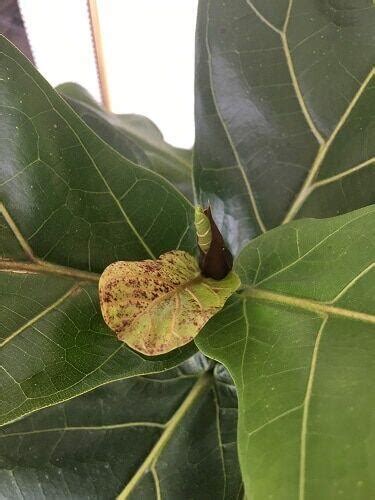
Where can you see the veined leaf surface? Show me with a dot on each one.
(300, 342)
(75, 200)
(136, 438)
(284, 111)
(135, 137)
(54, 344)
(69, 206)
(155, 306)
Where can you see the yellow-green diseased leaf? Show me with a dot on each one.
(155, 306)
(203, 228)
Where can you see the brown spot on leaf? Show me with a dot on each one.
(157, 306)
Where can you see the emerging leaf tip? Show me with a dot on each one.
(215, 261)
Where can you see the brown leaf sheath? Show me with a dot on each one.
(218, 261)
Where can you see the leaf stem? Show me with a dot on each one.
(199, 387)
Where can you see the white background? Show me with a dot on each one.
(149, 53)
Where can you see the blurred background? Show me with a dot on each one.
(135, 56)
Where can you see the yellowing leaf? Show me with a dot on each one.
(155, 306)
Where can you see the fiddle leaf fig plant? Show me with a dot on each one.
(195, 325)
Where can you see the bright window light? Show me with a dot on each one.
(149, 53)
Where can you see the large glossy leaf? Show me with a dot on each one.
(169, 436)
(54, 344)
(134, 136)
(300, 343)
(77, 201)
(69, 206)
(284, 111)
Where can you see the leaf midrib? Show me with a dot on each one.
(42, 267)
(80, 428)
(309, 183)
(284, 42)
(34, 264)
(202, 384)
(322, 308)
(182, 287)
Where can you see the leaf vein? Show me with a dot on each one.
(39, 316)
(305, 414)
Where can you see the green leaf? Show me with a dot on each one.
(54, 344)
(73, 197)
(284, 111)
(299, 343)
(166, 436)
(69, 206)
(155, 306)
(135, 137)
